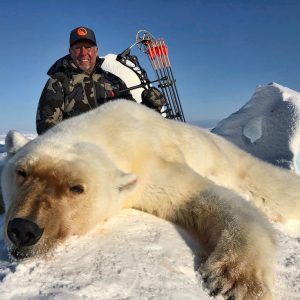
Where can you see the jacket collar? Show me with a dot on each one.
(66, 64)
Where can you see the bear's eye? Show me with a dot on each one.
(21, 173)
(77, 189)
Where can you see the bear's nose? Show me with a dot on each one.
(23, 232)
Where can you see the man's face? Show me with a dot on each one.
(84, 55)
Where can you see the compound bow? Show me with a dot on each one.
(157, 53)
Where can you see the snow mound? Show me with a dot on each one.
(267, 126)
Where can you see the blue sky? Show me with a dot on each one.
(220, 50)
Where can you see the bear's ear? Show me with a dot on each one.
(14, 141)
(126, 182)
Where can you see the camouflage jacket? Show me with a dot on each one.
(70, 92)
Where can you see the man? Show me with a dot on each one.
(78, 83)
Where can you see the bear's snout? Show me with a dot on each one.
(23, 232)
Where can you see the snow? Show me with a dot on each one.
(132, 256)
(253, 129)
(268, 126)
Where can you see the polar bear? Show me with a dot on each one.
(124, 155)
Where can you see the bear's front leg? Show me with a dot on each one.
(239, 241)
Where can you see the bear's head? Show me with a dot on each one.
(53, 189)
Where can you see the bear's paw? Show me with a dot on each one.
(236, 280)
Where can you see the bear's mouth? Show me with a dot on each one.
(21, 253)
(17, 253)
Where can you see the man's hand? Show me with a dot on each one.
(153, 98)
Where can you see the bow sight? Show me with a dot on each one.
(157, 53)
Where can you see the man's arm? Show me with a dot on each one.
(51, 106)
(115, 86)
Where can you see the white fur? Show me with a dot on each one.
(127, 155)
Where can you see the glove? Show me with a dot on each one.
(153, 98)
